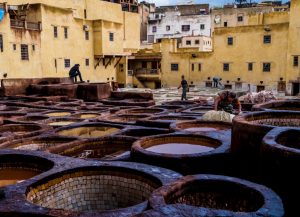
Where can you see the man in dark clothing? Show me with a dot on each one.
(217, 81)
(74, 72)
(184, 86)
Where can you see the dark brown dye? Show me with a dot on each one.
(11, 176)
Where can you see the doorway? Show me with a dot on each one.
(295, 89)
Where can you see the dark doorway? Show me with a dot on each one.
(260, 88)
(295, 89)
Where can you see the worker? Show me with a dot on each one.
(217, 82)
(74, 72)
(227, 101)
(184, 85)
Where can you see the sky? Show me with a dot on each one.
(211, 2)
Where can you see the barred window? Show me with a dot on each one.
(14, 47)
(111, 36)
(202, 26)
(266, 67)
(296, 61)
(250, 66)
(199, 67)
(33, 47)
(1, 43)
(240, 18)
(185, 28)
(55, 31)
(230, 41)
(225, 67)
(87, 62)
(66, 32)
(87, 35)
(193, 67)
(174, 67)
(188, 42)
(267, 39)
(67, 63)
(24, 52)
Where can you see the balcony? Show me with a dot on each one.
(21, 24)
(148, 74)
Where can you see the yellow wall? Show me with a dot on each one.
(102, 18)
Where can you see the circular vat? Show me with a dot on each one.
(89, 130)
(33, 118)
(61, 122)
(249, 129)
(181, 152)
(170, 108)
(126, 118)
(9, 108)
(164, 121)
(87, 115)
(16, 168)
(199, 126)
(178, 102)
(198, 110)
(156, 111)
(220, 193)
(109, 148)
(39, 143)
(144, 132)
(290, 105)
(16, 131)
(105, 188)
(10, 115)
(58, 113)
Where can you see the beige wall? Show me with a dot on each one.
(102, 18)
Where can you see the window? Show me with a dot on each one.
(240, 18)
(24, 52)
(296, 61)
(225, 67)
(66, 32)
(230, 41)
(202, 26)
(67, 63)
(156, 16)
(266, 67)
(85, 14)
(188, 42)
(55, 31)
(87, 62)
(33, 47)
(174, 67)
(144, 65)
(111, 36)
(14, 47)
(87, 35)
(197, 42)
(185, 28)
(267, 39)
(225, 24)
(250, 66)
(154, 29)
(193, 67)
(199, 67)
(1, 43)
(168, 28)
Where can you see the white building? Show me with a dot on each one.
(201, 43)
(179, 21)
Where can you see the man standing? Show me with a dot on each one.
(74, 72)
(184, 86)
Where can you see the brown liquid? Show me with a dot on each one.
(179, 148)
(11, 176)
(89, 132)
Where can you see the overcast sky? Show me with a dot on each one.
(211, 2)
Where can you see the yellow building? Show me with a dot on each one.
(44, 38)
(263, 55)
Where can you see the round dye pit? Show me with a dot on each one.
(87, 115)
(126, 118)
(179, 148)
(16, 168)
(143, 132)
(200, 126)
(39, 144)
(164, 121)
(143, 111)
(177, 102)
(90, 130)
(57, 114)
(112, 148)
(16, 131)
(94, 189)
(290, 105)
(220, 193)
(33, 118)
